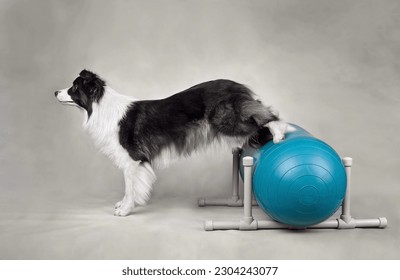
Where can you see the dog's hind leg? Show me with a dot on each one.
(278, 130)
(139, 178)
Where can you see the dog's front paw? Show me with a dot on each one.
(123, 209)
(118, 204)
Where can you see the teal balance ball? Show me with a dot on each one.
(300, 181)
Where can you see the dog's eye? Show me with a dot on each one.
(74, 87)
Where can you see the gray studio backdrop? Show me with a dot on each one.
(329, 66)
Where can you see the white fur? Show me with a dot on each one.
(198, 139)
(104, 129)
(278, 130)
(103, 125)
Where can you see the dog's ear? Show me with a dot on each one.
(93, 83)
(97, 87)
(87, 76)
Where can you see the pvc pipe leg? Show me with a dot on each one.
(248, 189)
(235, 173)
(346, 214)
(234, 200)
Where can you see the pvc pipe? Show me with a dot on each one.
(326, 224)
(249, 223)
(229, 201)
(234, 200)
(381, 222)
(363, 223)
(346, 214)
(235, 173)
(242, 225)
(267, 224)
(248, 185)
(221, 225)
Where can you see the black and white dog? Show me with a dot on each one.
(139, 135)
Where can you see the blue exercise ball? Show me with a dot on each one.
(300, 181)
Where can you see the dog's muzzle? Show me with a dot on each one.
(63, 96)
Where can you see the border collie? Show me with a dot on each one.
(138, 135)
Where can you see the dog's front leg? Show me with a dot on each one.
(125, 206)
(139, 178)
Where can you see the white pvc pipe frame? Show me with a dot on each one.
(346, 221)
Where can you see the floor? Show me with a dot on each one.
(172, 228)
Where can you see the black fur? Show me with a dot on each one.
(229, 108)
(86, 89)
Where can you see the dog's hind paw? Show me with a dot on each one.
(278, 130)
(278, 138)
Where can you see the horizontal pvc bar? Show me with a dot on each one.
(380, 222)
(326, 224)
(231, 201)
(363, 223)
(266, 224)
(220, 202)
(221, 225)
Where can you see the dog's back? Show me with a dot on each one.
(214, 110)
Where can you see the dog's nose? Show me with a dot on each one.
(56, 92)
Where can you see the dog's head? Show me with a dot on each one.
(86, 89)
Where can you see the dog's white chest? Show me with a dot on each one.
(103, 126)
